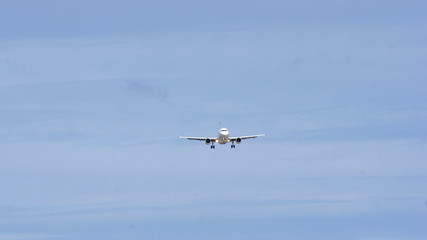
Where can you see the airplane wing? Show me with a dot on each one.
(199, 138)
(246, 137)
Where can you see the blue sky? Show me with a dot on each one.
(93, 95)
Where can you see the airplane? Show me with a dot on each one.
(222, 138)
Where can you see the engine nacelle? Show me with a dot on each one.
(207, 141)
(238, 140)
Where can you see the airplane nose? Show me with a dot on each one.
(223, 132)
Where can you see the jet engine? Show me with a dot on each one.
(238, 140)
(207, 141)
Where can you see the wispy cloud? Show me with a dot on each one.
(26, 236)
(146, 90)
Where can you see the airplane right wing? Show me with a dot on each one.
(200, 138)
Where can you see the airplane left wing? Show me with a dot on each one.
(246, 137)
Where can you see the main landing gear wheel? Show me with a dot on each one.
(232, 145)
(213, 146)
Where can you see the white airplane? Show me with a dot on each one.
(222, 138)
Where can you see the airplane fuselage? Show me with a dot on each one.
(223, 136)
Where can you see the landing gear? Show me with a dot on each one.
(232, 145)
(212, 146)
